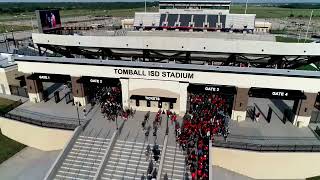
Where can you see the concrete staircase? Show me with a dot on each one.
(174, 164)
(127, 161)
(83, 160)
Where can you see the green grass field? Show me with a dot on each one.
(8, 28)
(291, 40)
(261, 11)
(8, 147)
(314, 178)
(275, 12)
(79, 12)
(5, 103)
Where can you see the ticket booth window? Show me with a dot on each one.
(137, 102)
(171, 105)
(159, 104)
(148, 103)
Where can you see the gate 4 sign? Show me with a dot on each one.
(281, 94)
(276, 93)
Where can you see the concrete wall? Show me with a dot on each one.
(267, 165)
(46, 139)
(4, 86)
(8, 77)
(12, 74)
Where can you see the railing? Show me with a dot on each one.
(41, 123)
(65, 123)
(267, 147)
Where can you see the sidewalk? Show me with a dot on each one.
(28, 164)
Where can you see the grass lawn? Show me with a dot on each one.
(274, 12)
(8, 147)
(8, 28)
(314, 178)
(7, 105)
(290, 39)
(308, 67)
(5, 102)
(261, 11)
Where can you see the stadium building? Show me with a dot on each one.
(210, 15)
(146, 72)
(147, 84)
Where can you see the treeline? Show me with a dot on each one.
(300, 6)
(14, 8)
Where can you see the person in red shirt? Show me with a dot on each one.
(193, 176)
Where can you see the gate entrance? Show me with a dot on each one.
(55, 86)
(100, 90)
(271, 104)
(200, 91)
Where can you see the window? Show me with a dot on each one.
(217, 7)
(148, 104)
(166, 7)
(137, 102)
(159, 104)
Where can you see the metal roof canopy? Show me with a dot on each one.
(185, 44)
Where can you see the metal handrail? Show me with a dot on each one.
(267, 147)
(41, 123)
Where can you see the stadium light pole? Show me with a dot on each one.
(305, 39)
(245, 11)
(145, 6)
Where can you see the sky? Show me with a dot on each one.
(252, 1)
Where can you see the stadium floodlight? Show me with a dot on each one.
(145, 6)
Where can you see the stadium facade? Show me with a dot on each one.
(148, 86)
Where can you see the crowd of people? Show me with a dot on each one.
(208, 116)
(109, 99)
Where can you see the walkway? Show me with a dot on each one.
(28, 164)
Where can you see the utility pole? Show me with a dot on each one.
(246, 7)
(145, 6)
(32, 24)
(300, 30)
(305, 39)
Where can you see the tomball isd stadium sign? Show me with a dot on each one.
(154, 73)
